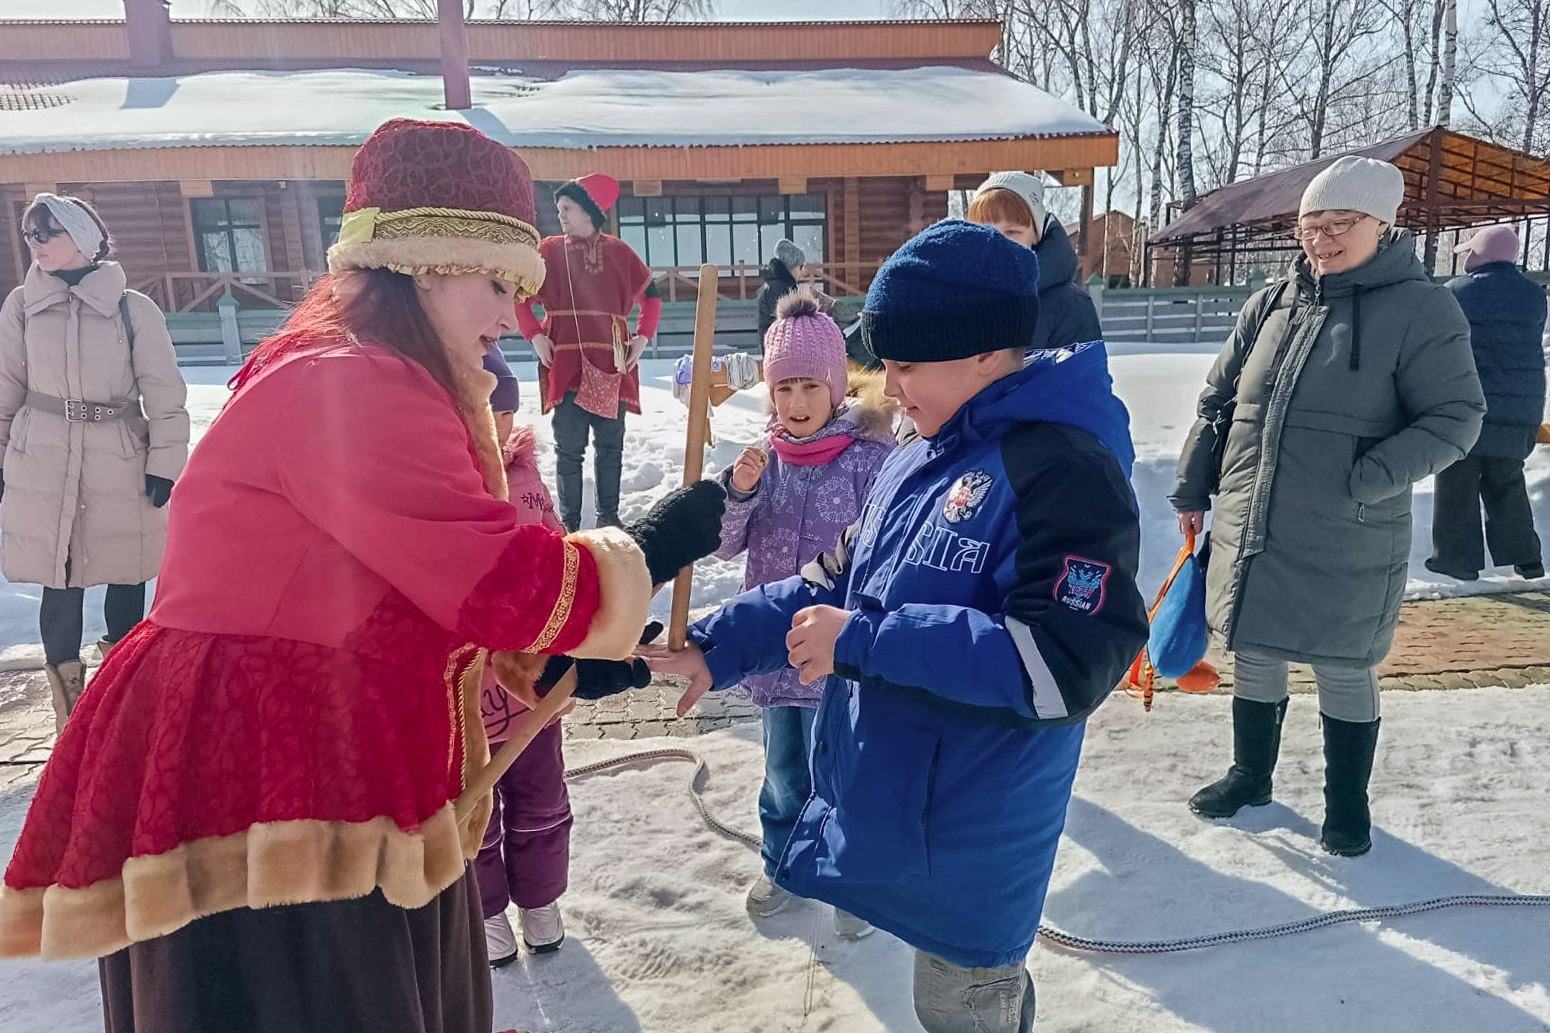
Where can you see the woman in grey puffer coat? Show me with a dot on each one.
(1336, 392)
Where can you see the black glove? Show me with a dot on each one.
(680, 529)
(596, 679)
(158, 490)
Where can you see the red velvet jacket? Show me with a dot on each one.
(288, 725)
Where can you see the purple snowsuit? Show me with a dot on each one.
(796, 514)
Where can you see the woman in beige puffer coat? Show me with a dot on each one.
(93, 430)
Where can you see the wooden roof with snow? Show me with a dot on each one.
(291, 100)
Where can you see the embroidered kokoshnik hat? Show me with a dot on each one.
(439, 197)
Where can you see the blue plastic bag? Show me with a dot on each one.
(1177, 641)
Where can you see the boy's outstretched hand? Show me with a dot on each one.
(688, 662)
(810, 643)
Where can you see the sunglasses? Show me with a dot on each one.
(41, 236)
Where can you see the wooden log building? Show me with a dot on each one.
(217, 151)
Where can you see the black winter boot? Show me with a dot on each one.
(1348, 750)
(1256, 741)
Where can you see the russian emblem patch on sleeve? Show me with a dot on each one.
(966, 495)
(1083, 585)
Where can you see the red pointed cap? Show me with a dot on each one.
(604, 190)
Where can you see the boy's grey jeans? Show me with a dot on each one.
(952, 999)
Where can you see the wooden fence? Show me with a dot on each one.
(1169, 315)
(218, 317)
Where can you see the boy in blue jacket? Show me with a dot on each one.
(984, 604)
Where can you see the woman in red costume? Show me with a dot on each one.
(249, 815)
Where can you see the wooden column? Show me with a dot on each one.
(853, 226)
(454, 54)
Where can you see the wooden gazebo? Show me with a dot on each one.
(1452, 181)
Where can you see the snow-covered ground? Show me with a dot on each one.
(659, 941)
(1159, 385)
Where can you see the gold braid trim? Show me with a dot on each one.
(454, 222)
(562, 606)
(454, 696)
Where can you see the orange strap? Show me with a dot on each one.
(1142, 675)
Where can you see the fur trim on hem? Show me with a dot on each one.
(624, 593)
(519, 263)
(264, 865)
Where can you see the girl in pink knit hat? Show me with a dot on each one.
(788, 502)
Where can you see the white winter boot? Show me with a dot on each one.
(766, 899)
(543, 930)
(500, 940)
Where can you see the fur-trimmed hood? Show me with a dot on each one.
(522, 444)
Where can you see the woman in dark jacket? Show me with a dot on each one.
(1336, 392)
(780, 279)
(1506, 313)
(1013, 202)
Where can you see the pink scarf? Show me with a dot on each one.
(815, 452)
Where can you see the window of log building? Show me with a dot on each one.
(229, 234)
(330, 215)
(689, 231)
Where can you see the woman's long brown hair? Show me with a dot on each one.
(377, 306)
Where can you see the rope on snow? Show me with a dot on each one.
(1083, 943)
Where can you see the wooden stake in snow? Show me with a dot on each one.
(694, 444)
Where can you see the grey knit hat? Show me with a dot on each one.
(1026, 186)
(1354, 184)
(789, 254)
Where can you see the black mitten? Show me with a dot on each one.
(596, 679)
(683, 527)
(158, 490)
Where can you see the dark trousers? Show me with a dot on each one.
(572, 424)
(1462, 490)
(61, 615)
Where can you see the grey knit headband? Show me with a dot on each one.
(75, 221)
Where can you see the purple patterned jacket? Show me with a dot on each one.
(797, 513)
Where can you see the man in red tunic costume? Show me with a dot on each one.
(587, 357)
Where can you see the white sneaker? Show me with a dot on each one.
(500, 941)
(766, 899)
(849, 927)
(543, 930)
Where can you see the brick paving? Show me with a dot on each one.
(1441, 644)
(1455, 644)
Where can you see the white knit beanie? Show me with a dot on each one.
(1028, 187)
(1354, 184)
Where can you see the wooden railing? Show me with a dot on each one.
(199, 291)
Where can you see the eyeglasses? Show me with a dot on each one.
(1335, 228)
(41, 236)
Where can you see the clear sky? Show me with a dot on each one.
(731, 10)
